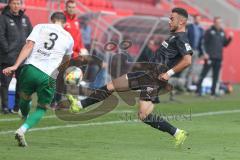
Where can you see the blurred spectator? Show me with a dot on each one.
(195, 34)
(86, 32)
(214, 41)
(149, 50)
(98, 73)
(73, 27)
(15, 27)
(157, 2)
(120, 57)
(3, 1)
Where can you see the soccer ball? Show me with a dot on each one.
(73, 76)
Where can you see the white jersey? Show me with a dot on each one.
(52, 42)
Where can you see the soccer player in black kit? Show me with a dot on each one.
(174, 55)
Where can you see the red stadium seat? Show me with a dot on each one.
(191, 10)
(87, 2)
(109, 5)
(165, 5)
(234, 3)
(62, 6)
(37, 3)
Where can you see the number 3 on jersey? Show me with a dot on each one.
(52, 38)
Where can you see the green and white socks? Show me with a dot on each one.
(33, 119)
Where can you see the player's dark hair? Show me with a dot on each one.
(181, 12)
(216, 18)
(69, 1)
(9, 1)
(196, 15)
(58, 16)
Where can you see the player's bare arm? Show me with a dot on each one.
(25, 52)
(181, 65)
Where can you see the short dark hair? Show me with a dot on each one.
(9, 1)
(70, 1)
(181, 12)
(216, 18)
(58, 16)
(196, 15)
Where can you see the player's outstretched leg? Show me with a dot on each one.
(32, 120)
(120, 84)
(130, 81)
(155, 121)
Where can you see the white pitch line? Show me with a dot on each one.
(118, 122)
(127, 111)
(54, 116)
(71, 126)
(215, 113)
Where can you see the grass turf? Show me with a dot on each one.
(213, 137)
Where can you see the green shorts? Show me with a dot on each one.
(34, 80)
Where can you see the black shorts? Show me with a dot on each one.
(148, 84)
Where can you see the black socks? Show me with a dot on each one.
(160, 124)
(97, 96)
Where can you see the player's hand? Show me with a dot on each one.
(231, 34)
(9, 70)
(163, 77)
(205, 56)
(83, 52)
(104, 65)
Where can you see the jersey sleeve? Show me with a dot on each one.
(34, 35)
(70, 48)
(184, 47)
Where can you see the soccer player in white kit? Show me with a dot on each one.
(46, 48)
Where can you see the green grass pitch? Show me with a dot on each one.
(214, 127)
